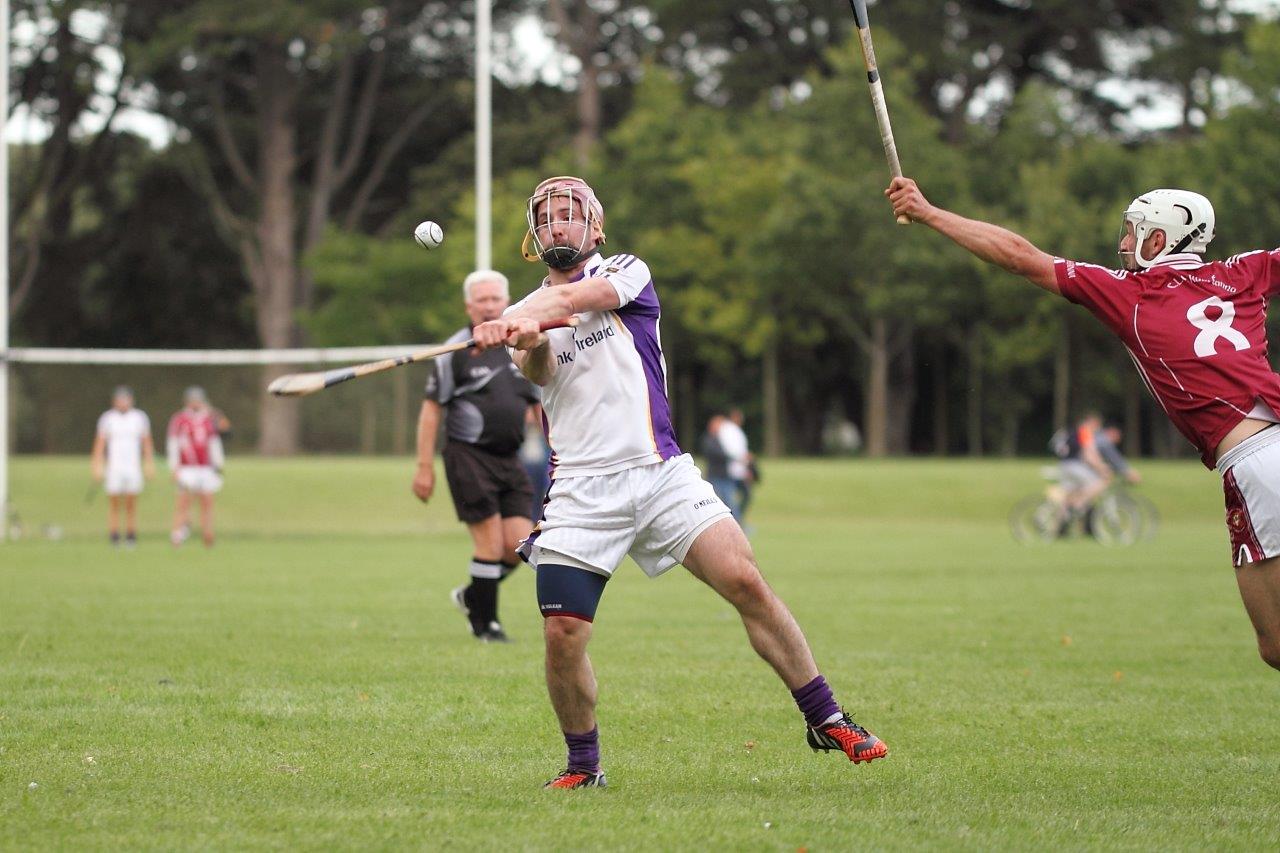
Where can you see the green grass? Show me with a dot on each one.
(306, 684)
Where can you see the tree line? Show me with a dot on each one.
(735, 150)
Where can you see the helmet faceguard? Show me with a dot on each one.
(584, 209)
(1186, 218)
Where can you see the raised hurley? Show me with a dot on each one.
(302, 384)
(877, 93)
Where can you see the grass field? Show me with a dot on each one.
(306, 684)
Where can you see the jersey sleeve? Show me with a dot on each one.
(434, 389)
(1273, 269)
(145, 421)
(629, 276)
(1107, 294)
(101, 428)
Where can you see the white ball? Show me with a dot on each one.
(428, 234)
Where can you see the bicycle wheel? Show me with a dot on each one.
(1150, 515)
(1115, 520)
(1035, 518)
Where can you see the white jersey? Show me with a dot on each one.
(605, 408)
(734, 442)
(124, 432)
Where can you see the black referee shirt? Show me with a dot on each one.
(485, 396)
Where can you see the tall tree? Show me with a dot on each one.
(608, 39)
(63, 76)
(292, 117)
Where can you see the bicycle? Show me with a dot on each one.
(1117, 517)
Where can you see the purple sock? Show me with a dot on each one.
(584, 750)
(816, 701)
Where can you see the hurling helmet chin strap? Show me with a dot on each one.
(1191, 237)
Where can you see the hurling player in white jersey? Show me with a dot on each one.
(122, 456)
(620, 484)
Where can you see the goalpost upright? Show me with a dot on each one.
(4, 271)
(484, 133)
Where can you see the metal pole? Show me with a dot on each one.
(4, 270)
(484, 135)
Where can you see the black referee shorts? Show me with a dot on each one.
(485, 484)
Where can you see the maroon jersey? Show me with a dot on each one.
(193, 433)
(1195, 330)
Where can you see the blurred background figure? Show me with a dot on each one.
(1108, 441)
(1082, 471)
(122, 457)
(733, 439)
(1089, 457)
(717, 461)
(535, 455)
(194, 450)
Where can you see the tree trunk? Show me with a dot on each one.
(876, 408)
(1062, 378)
(902, 402)
(973, 419)
(369, 425)
(1009, 432)
(400, 413)
(941, 406)
(590, 111)
(686, 411)
(773, 443)
(274, 270)
(1132, 414)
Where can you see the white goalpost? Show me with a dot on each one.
(4, 271)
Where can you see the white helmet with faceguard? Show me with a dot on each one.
(1186, 218)
(583, 208)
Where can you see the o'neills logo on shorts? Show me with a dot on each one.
(707, 502)
(594, 338)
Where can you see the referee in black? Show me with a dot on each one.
(486, 401)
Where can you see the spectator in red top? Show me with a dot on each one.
(1196, 331)
(194, 450)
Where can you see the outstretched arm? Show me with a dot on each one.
(551, 303)
(991, 243)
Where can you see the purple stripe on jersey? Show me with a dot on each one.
(552, 459)
(640, 316)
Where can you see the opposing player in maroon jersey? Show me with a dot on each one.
(194, 449)
(1196, 331)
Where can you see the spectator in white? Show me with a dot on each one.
(122, 457)
(717, 459)
(194, 449)
(734, 442)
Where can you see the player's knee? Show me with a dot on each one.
(1269, 649)
(744, 584)
(565, 632)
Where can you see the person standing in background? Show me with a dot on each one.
(194, 451)
(717, 460)
(734, 441)
(485, 402)
(123, 456)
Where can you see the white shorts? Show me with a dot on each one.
(653, 512)
(1075, 475)
(201, 479)
(123, 481)
(1251, 480)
